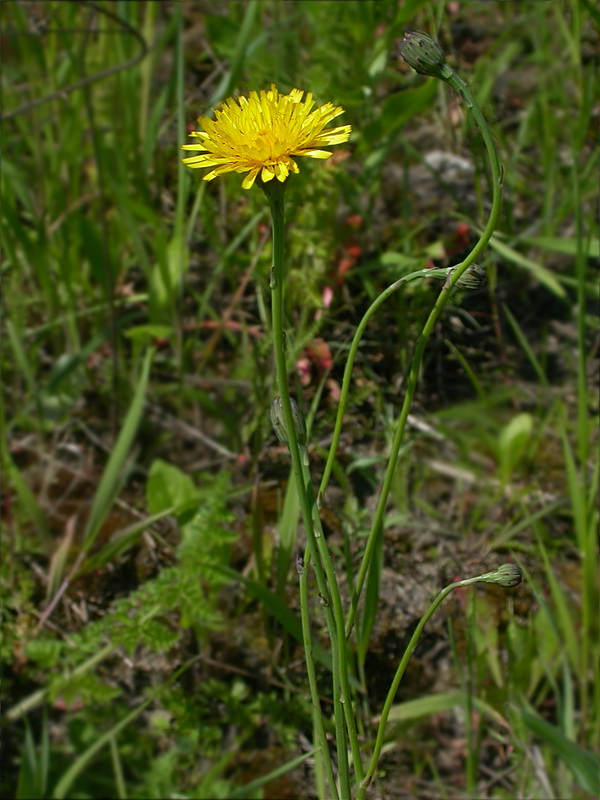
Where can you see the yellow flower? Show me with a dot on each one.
(262, 133)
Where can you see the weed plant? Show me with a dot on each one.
(154, 617)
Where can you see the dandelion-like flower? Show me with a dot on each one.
(259, 134)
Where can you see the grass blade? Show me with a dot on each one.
(539, 272)
(109, 483)
(282, 614)
(583, 765)
(63, 786)
(251, 787)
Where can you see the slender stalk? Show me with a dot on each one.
(344, 689)
(471, 760)
(339, 720)
(403, 664)
(274, 192)
(324, 757)
(453, 277)
(422, 273)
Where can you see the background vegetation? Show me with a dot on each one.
(150, 617)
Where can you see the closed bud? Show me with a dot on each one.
(507, 575)
(279, 424)
(473, 278)
(424, 55)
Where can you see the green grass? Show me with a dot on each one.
(137, 378)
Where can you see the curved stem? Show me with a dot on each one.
(453, 277)
(402, 667)
(422, 273)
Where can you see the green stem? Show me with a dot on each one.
(319, 726)
(403, 664)
(339, 719)
(453, 277)
(343, 690)
(274, 192)
(422, 273)
(470, 733)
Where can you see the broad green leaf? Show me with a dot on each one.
(169, 487)
(512, 442)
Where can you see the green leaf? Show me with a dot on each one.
(62, 787)
(288, 528)
(250, 788)
(583, 765)
(371, 604)
(120, 542)
(565, 246)
(539, 272)
(166, 277)
(424, 706)
(109, 483)
(143, 333)
(512, 442)
(169, 487)
(398, 108)
(33, 771)
(289, 621)
(438, 704)
(242, 37)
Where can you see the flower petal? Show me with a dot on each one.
(313, 153)
(249, 179)
(267, 174)
(258, 134)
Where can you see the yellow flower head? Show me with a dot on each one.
(262, 133)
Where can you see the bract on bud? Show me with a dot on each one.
(279, 425)
(506, 575)
(424, 55)
(474, 278)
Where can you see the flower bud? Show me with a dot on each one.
(474, 278)
(424, 55)
(279, 424)
(507, 575)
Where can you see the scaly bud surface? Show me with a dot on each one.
(507, 575)
(424, 55)
(279, 425)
